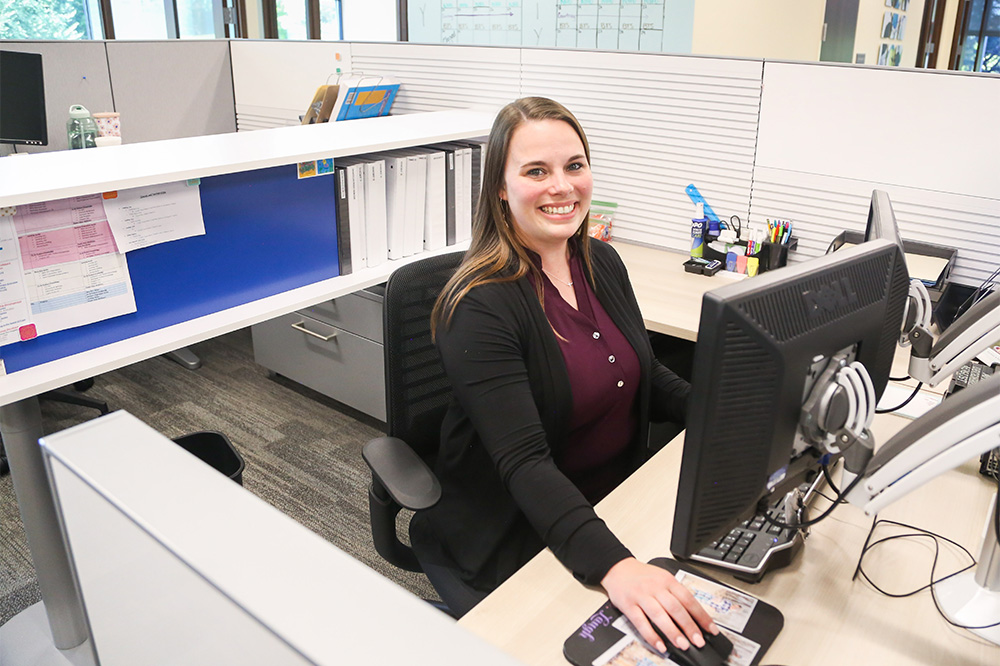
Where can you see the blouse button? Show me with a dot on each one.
(611, 359)
(621, 384)
(596, 335)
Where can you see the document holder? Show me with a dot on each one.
(598, 637)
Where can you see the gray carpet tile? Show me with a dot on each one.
(302, 450)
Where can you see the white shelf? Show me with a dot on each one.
(57, 175)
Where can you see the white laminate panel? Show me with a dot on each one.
(881, 124)
(204, 572)
(58, 175)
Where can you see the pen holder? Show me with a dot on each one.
(774, 255)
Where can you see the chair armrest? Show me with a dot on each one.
(407, 478)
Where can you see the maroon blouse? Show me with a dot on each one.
(604, 378)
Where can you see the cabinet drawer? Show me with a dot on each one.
(360, 312)
(335, 362)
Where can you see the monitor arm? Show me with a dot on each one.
(965, 425)
(961, 428)
(974, 331)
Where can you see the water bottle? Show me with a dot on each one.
(81, 130)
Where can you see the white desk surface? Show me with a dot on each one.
(829, 619)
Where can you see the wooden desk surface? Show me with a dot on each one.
(669, 297)
(829, 619)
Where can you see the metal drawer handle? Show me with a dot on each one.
(300, 326)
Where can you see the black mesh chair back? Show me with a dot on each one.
(417, 391)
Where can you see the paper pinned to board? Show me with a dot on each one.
(67, 271)
(145, 216)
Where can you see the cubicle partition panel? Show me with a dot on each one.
(75, 73)
(444, 77)
(266, 232)
(828, 135)
(172, 89)
(274, 80)
(657, 123)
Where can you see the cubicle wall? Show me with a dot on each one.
(163, 90)
(800, 141)
(657, 123)
(75, 73)
(274, 81)
(172, 89)
(828, 134)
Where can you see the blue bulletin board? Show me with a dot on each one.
(266, 232)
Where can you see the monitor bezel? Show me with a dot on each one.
(40, 138)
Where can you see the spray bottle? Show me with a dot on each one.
(698, 225)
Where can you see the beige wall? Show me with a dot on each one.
(868, 37)
(947, 33)
(782, 29)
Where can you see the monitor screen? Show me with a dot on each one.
(22, 99)
(761, 345)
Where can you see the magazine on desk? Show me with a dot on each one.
(607, 638)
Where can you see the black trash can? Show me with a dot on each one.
(216, 450)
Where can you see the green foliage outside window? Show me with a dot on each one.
(43, 19)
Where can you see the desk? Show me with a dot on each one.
(828, 618)
(670, 297)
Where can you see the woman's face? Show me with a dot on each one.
(547, 182)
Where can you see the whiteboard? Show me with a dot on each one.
(658, 26)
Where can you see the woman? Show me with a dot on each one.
(554, 382)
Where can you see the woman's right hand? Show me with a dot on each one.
(648, 594)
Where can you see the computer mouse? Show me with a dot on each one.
(716, 651)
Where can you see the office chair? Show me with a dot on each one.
(417, 396)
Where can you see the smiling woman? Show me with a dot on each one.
(554, 387)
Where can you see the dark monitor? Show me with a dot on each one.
(882, 220)
(762, 343)
(22, 99)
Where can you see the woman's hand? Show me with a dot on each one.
(644, 593)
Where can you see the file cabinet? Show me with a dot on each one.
(334, 348)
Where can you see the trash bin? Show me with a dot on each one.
(216, 450)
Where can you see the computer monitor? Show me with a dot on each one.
(882, 220)
(22, 99)
(762, 344)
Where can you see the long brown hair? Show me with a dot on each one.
(497, 253)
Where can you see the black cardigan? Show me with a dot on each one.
(504, 498)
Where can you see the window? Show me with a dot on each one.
(977, 43)
(121, 19)
(50, 19)
(302, 19)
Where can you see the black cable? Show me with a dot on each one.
(833, 487)
(827, 512)
(919, 533)
(902, 404)
(899, 379)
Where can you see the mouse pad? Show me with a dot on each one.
(608, 639)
